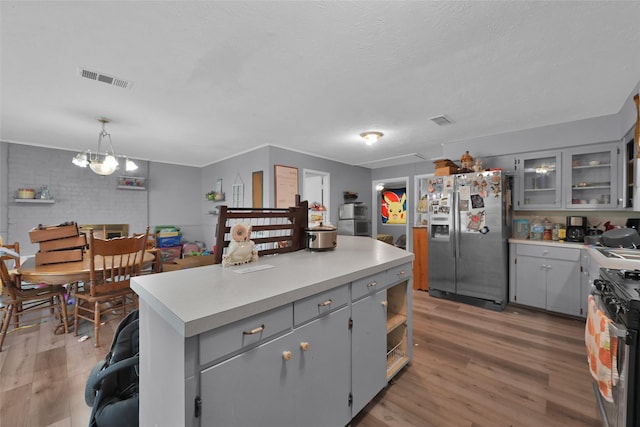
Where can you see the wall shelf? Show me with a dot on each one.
(131, 187)
(41, 201)
(131, 183)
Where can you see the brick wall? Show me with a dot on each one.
(80, 195)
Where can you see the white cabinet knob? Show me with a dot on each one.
(304, 346)
(385, 304)
(286, 355)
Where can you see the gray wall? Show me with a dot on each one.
(235, 170)
(4, 176)
(343, 178)
(174, 196)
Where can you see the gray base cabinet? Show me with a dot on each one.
(547, 277)
(316, 361)
(369, 348)
(292, 380)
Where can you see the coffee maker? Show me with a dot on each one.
(576, 228)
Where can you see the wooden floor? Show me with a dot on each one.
(471, 367)
(42, 375)
(475, 367)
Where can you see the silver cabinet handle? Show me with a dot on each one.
(254, 330)
(325, 303)
(372, 284)
(401, 273)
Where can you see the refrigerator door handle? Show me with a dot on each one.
(456, 221)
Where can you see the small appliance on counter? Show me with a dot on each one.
(576, 228)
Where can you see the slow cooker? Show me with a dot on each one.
(321, 237)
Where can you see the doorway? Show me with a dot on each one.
(399, 231)
(316, 189)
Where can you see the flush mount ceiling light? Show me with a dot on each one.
(102, 163)
(371, 137)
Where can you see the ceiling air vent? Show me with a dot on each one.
(105, 78)
(440, 120)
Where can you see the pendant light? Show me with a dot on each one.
(102, 162)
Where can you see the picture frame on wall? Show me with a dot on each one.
(393, 206)
(286, 185)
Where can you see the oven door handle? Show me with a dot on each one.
(617, 331)
(620, 333)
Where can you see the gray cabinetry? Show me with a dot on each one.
(369, 348)
(251, 389)
(585, 178)
(547, 277)
(590, 177)
(539, 180)
(283, 381)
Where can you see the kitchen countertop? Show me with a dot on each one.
(200, 299)
(596, 256)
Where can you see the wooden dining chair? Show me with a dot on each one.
(108, 295)
(156, 265)
(19, 301)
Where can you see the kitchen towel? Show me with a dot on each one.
(601, 349)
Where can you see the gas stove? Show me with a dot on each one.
(617, 293)
(620, 293)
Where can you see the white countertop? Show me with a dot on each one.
(199, 299)
(565, 244)
(603, 261)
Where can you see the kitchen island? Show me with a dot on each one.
(263, 343)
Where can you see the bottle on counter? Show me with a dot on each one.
(547, 233)
(537, 229)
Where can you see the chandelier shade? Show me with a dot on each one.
(102, 162)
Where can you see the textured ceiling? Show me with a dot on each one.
(214, 79)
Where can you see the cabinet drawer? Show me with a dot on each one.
(396, 274)
(567, 254)
(368, 285)
(322, 303)
(243, 333)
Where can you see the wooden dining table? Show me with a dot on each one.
(64, 273)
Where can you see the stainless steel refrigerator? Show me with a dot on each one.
(469, 224)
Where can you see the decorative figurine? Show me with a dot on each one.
(466, 163)
(241, 248)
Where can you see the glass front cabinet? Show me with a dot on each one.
(590, 177)
(539, 180)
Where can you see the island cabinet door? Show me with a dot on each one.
(322, 359)
(368, 349)
(254, 388)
